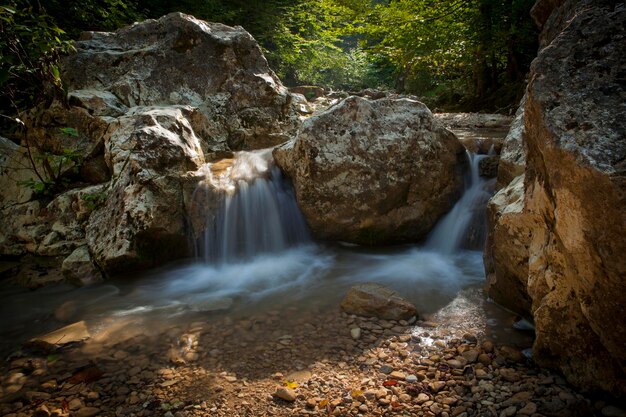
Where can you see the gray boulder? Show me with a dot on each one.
(374, 172)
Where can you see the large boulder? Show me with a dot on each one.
(373, 172)
(571, 218)
(147, 106)
(142, 222)
(179, 60)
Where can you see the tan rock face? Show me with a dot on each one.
(142, 221)
(572, 220)
(375, 300)
(374, 172)
(180, 60)
(147, 103)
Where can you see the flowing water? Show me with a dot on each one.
(255, 255)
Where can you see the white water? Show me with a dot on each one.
(464, 226)
(258, 213)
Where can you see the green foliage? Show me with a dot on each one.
(54, 171)
(94, 200)
(30, 46)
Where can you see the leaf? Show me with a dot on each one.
(322, 403)
(70, 131)
(52, 358)
(88, 374)
(290, 384)
(8, 9)
(390, 383)
(355, 393)
(65, 406)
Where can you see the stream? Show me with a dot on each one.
(273, 264)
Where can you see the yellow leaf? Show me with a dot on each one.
(323, 403)
(355, 393)
(290, 384)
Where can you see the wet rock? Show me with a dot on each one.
(72, 333)
(79, 269)
(375, 300)
(488, 166)
(354, 179)
(66, 311)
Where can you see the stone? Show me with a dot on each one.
(87, 412)
(612, 411)
(79, 269)
(375, 300)
(506, 249)
(512, 161)
(286, 394)
(563, 269)
(373, 172)
(528, 410)
(471, 356)
(400, 376)
(75, 404)
(66, 311)
(488, 166)
(411, 378)
(385, 369)
(76, 332)
(355, 332)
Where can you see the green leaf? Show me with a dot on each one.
(70, 131)
(8, 9)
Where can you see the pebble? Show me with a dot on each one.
(87, 412)
(411, 378)
(612, 411)
(355, 332)
(400, 376)
(385, 369)
(286, 394)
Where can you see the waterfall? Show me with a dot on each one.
(464, 226)
(257, 213)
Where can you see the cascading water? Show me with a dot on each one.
(464, 226)
(258, 211)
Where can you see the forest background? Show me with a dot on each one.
(456, 55)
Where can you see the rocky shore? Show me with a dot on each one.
(289, 362)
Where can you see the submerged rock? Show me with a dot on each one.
(78, 268)
(374, 172)
(569, 220)
(375, 300)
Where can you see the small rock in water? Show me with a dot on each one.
(612, 411)
(286, 394)
(355, 332)
(386, 369)
(66, 311)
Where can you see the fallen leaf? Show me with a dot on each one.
(322, 403)
(290, 384)
(65, 406)
(87, 374)
(390, 383)
(355, 393)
